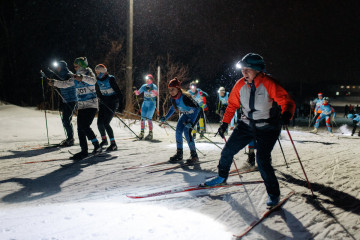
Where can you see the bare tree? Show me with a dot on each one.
(169, 70)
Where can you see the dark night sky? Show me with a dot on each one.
(308, 42)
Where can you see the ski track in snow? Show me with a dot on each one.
(88, 200)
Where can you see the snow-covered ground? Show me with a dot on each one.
(88, 200)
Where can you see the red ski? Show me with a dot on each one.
(190, 189)
(265, 214)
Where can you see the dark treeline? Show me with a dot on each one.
(302, 42)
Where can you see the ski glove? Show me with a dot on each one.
(162, 119)
(222, 129)
(285, 117)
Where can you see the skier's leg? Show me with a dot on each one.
(101, 121)
(67, 113)
(81, 122)
(240, 137)
(328, 125)
(266, 138)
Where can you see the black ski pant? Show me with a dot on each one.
(84, 120)
(68, 110)
(266, 137)
(105, 115)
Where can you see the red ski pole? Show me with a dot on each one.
(309, 185)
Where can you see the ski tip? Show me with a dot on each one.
(133, 197)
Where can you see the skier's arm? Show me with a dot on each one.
(88, 79)
(98, 92)
(116, 88)
(233, 102)
(190, 102)
(142, 89)
(170, 113)
(154, 92)
(280, 96)
(64, 84)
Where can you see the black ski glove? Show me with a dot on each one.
(222, 129)
(285, 117)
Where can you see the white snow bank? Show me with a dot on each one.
(104, 220)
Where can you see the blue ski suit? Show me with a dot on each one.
(189, 111)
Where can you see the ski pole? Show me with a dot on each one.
(237, 170)
(337, 126)
(118, 118)
(309, 185)
(183, 136)
(43, 91)
(287, 166)
(206, 138)
(167, 125)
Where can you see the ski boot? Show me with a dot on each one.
(193, 158)
(214, 182)
(97, 148)
(80, 155)
(314, 130)
(112, 147)
(67, 142)
(251, 159)
(104, 142)
(149, 136)
(201, 134)
(141, 135)
(331, 134)
(178, 157)
(272, 201)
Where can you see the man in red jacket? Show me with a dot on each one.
(259, 97)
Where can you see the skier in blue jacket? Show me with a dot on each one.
(326, 111)
(189, 117)
(197, 94)
(356, 122)
(68, 104)
(148, 106)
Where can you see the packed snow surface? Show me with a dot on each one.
(87, 200)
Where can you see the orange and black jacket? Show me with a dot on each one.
(267, 91)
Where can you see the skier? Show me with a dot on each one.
(189, 111)
(149, 104)
(356, 122)
(84, 82)
(257, 93)
(326, 111)
(223, 98)
(110, 98)
(317, 102)
(196, 94)
(68, 104)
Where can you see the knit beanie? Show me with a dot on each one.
(175, 83)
